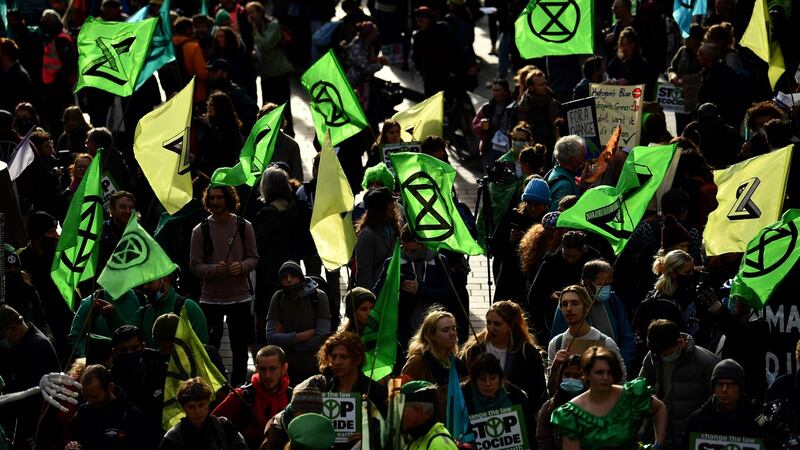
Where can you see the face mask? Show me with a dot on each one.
(417, 254)
(5, 343)
(672, 357)
(128, 362)
(571, 385)
(603, 292)
(294, 289)
(519, 145)
(687, 281)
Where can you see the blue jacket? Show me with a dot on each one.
(561, 183)
(620, 331)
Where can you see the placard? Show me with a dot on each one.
(499, 429)
(706, 441)
(619, 105)
(388, 149)
(670, 97)
(108, 188)
(344, 411)
(582, 121)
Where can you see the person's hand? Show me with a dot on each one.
(303, 336)
(676, 81)
(561, 357)
(555, 296)
(355, 437)
(222, 267)
(100, 306)
(73, 445)
(516, 235)
(235, 268)
(409, 286)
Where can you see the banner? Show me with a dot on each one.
(424, 119)
(619, 105)
(670, 97)
(682, 12)
(380, 333)
(582, 121)
(759, 38)
(500, 429)
(706, 441)
(552, 28)
(344, 411)
(389, 149)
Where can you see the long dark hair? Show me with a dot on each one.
(378, 217)
(225, 114)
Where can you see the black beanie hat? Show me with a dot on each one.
(290, 267)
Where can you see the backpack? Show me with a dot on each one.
(248, 397)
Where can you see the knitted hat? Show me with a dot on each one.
(165, 326)
(673, 233)
(377, 198)
(311, 432)
(357, 296)
(8, 316)
(551, 219)
(290, 267)
(419, 391)
(536, 191)
(40, 223)
(728, 369)
(307, 396)
(223, 18)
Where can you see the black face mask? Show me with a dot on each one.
(687, 281)
(294, 289)
(128, 362)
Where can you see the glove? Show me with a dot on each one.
(58, 389)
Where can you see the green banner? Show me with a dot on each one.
(334, 104)
(555, 27)
(614, 211)
(256, 153)
(137, 259)
(380, 333)
(426, 185)
(76, 254)
(768, 259)
(111, 54)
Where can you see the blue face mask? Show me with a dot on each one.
(672, 357)
(519, 145)
(571, 385)
(603, 293)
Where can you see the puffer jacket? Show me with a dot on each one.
(691, 384)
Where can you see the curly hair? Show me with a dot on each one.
(536, 243)
(230, 194)
(351, 341)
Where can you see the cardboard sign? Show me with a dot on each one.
(108, 188)
(499, 429)
(670, 98)
(706, 441)
(582, 121)
(619, 105)
(344, 410)
(388, 149)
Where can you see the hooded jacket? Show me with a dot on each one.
(291, 313)
(739, 422)
(691, 383)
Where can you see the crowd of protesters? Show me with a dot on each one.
(590, 345)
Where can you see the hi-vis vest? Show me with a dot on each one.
(51, 62)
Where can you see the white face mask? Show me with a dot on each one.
(603, 293)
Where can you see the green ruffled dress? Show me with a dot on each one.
(617, 430)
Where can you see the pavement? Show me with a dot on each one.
(467, 171)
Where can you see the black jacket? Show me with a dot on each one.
(117, 426)
(217, 433)
(709, 419)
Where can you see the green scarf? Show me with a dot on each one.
(483, 404)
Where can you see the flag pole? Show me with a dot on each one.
(458, 297)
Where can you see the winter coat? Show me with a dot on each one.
(373, 246)
(217, 433)
(739, 422)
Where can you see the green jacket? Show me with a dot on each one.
(270, 57)
(561, 183)
(437, 438)
(145, 317)
(125, 308)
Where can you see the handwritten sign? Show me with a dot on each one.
(619, 105)
(499, 429)
(706, 441)
(582, 121)
(108, 188)
(344, 410)
(670, 98)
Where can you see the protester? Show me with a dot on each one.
(358, 302)
(608, 414)
(419, 418)
(680, 372)
(251, 405)
(191, 57)
(121, 205)
(486, 390)
(493, 120)
(199, 429)
(311, 431)
(298, 320)
(306, 398)
(540, 109)
(377, 233)
(569, 154)
(286, 148)
(223, 253)
(570, 384)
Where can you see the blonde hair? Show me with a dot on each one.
(423, 339)
(665, 266)
(582, 294)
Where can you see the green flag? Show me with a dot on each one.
(161, 49)
(426, 185)
(552, 28)
(767, 260)
(137, 259)
(111, 54)
(256, 153)
(614, 211)
(502, 193)
(380, 333)
(334, 104)
(76, 254)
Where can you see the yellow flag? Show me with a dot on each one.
(161, 146)
(189, 360)
(331, 223)
(423, 119)
(750, 196)
(758, 38)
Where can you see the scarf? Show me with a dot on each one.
(482, 404)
